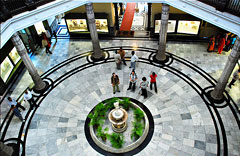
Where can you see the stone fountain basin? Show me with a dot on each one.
(127, 148)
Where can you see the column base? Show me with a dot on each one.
(42, 90)
(214, 100)
(160, 61)
(98, 59)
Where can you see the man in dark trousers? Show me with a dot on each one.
(115, 82)
(12, 103)
(122, 54)
(235, 78)
(28, 96)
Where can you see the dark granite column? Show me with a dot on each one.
(149, 16)
(116, 16)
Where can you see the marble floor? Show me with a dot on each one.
(186, 123)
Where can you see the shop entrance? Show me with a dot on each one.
(134, 20)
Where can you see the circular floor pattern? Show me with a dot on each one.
(185, 124)
(132, 152)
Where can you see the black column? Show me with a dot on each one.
(121, 8)
(2, 87)
(116, 16)
(149, 16)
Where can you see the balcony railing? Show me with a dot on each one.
(230, 6)
(9, 8)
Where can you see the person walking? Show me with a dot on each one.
(117, 59)
(115, 82)
(55, 35)
(46, 45)
(134, 59)
(211, 44)
(17, 113)
(12, 103)
(133, 80)
(122, 54)
(143, 86)
(235, 78)
(153, 77)
(28, 96)
(221, 44)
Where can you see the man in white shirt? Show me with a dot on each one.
(117, 58)
(12, 103)
(134, 59)
(28, 96)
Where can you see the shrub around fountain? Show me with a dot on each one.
(99, 116)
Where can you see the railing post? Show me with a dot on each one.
(4, 12)
(221, 5)
(30, 4)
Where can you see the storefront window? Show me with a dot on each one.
(188, 27)
(102, 25)
(6, 69)
(14, 55)
(77, 25)
(171, 26)
(40, 28)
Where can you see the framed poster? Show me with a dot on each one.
(6, 69)
(77, 25)
(102, 25)
(14, 55)
(188, 27)
(171, 26)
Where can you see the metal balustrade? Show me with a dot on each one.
(230, 6)
(10, 8)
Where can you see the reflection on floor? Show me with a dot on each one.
(184, 123)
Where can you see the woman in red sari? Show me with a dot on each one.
(211, 44)
(221, 44)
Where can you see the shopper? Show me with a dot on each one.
(17, 113)
(48, 35)
(115, 82)
(133, 80)
(221, 44)
(12, 103)
(122, 54)
(46, 45)
(153, 77)
(134, 59)
(28, 96)
(117, 59)
(211, 44)
(235, 78)
(55, 35)
(143, 86)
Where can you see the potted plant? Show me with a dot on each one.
(137, 130)
(125, 102)
(138, 114)
(102, 133)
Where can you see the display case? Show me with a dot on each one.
(6, 69)
(77, 25)
(171, 26)
(188, 27)
(14, 55)
(102, 25)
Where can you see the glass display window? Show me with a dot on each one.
(171, 26)
(188, 27)
(14, 55)
(39, 27)
(102, 25)
(6, 69)
(77, 25)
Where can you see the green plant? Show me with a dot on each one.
(125, 102)
(116, 139)
(100, 109)
(137, 130)
(112, 100)
(102, 133)
(138, 114)
(95, 120)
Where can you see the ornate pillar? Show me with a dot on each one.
(116, 16)
(121, 8)
(39, 84)
(97, 54)
(217, 93)
(161, 56)
(149, 16)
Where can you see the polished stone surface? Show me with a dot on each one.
(183, 122)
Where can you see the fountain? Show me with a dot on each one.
(118, 118)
